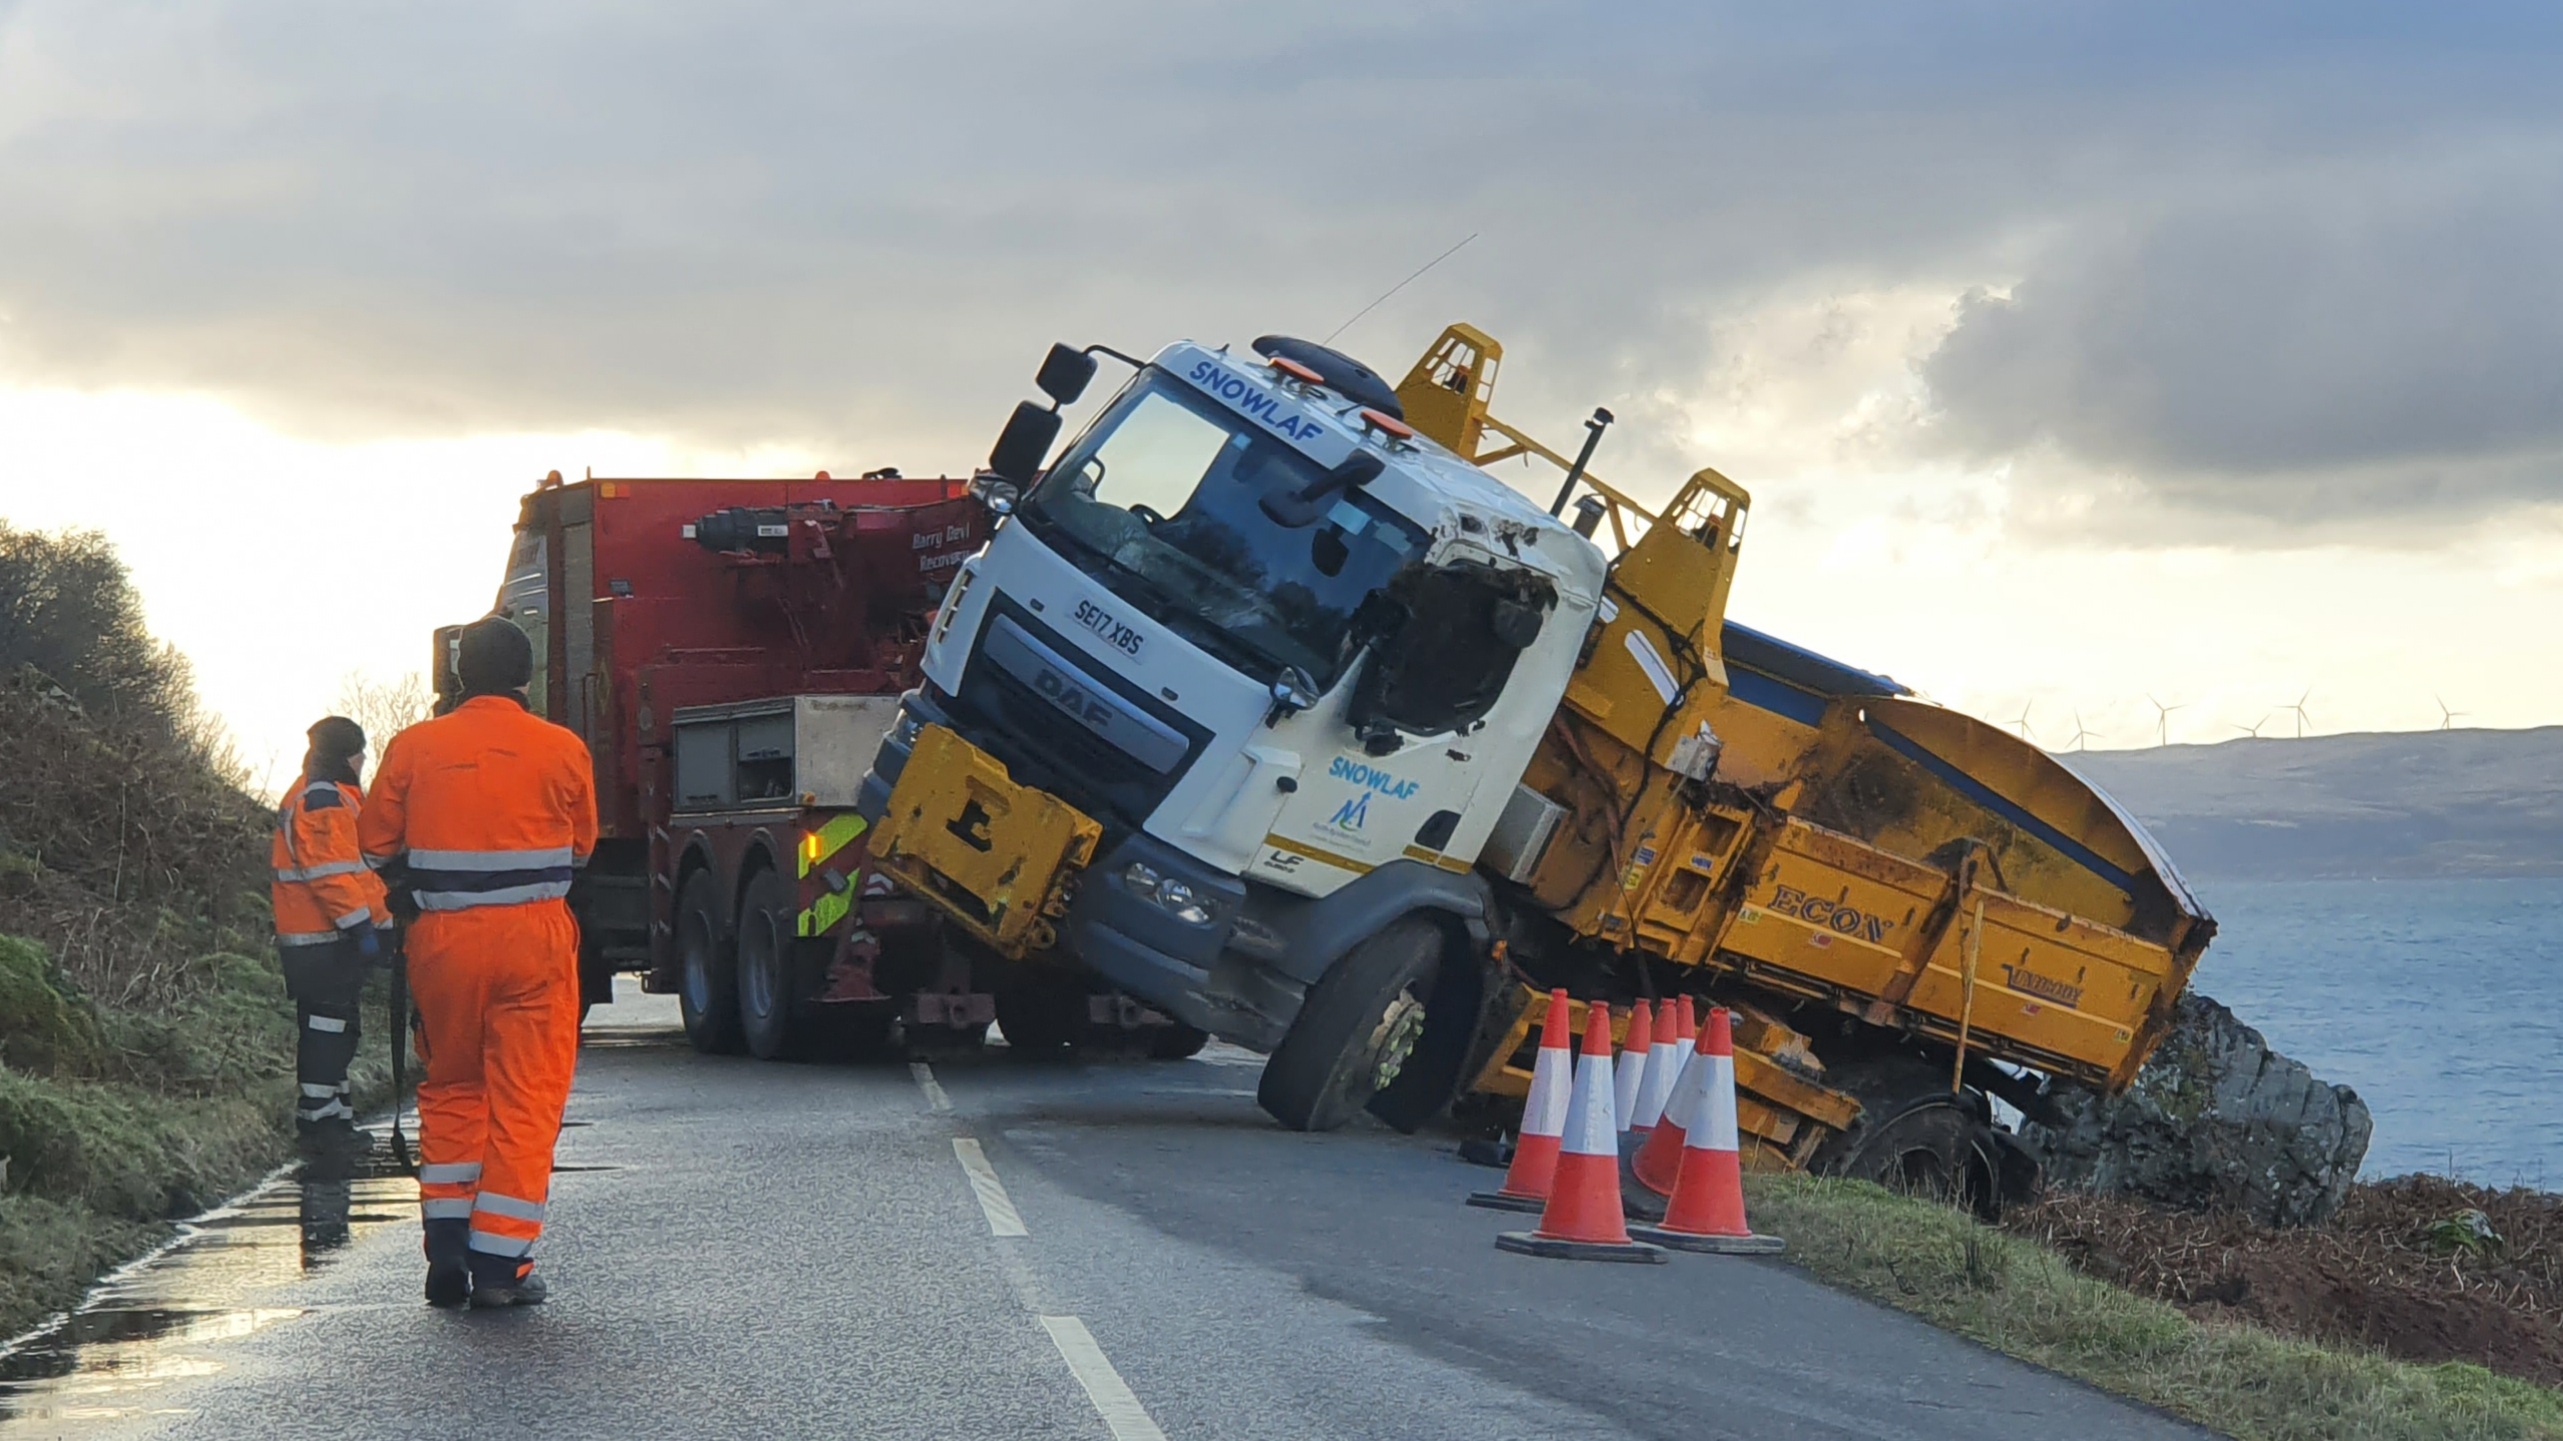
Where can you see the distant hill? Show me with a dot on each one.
(2421, 803)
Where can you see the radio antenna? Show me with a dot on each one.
(1392, 290)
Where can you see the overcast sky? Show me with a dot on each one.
(2074, 353)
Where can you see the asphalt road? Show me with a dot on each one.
(987, 1248)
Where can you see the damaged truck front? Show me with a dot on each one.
(1269, 705)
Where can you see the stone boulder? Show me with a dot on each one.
(2216, 1121)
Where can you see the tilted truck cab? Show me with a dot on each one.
(1222, 698)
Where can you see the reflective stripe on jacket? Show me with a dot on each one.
(489, 804)
(320, 884)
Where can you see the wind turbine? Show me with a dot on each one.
(2080, 734)
(2162, 719)
(2253, 730)
(2022, 725)
(2299, 708)
(2447, 718)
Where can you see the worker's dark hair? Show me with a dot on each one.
(494, 658)
(336, 741)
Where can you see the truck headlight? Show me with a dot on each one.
(1167, 894)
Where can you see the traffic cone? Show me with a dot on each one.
(1707, 1209)
(1526, 1182)
(1583, 1221)
(1664, 1063)
(1632, 1067)
(1659, 1162)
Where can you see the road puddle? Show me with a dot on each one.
(164, 1318)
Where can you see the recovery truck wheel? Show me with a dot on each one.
(769, 992)
(707, 993)
(1916, 1135)
(1355, 1031)
(1177, 1042)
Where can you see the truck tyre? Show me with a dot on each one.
(769, 992)
(707, 993)
(1354, 1033)
(1177, 1042)
(1915, 1135)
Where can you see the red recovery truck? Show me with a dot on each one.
(732, 652)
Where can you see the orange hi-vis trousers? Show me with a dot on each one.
(497, 992)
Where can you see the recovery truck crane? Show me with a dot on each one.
(1268, 704)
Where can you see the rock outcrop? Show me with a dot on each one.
(2216, 1121)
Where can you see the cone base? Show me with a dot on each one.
(1498, 1201)
(1531, 1243)
(1712, 1245)
(1636, 1201)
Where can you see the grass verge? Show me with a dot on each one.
(2017, 1297)
(140, 1119)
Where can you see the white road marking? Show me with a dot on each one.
(928, 1084)
(1122, 1413)
(994, 1203)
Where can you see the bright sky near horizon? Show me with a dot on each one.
(2077, 357)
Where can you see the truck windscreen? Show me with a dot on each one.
(1162, 500)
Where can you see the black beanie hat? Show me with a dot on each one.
(335, 738)
(494, 658)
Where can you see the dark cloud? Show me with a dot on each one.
(2351, 340)
(846, 225)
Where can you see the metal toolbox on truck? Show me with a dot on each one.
(801, 750)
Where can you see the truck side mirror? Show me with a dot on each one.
(1024, 443)
(1064, 373)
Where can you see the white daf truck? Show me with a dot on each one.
(1299, 725)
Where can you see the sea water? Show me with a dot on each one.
(2440, 1002)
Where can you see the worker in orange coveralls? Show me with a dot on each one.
(488, 808)
(330, 924)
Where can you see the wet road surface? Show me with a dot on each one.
(985, 1248)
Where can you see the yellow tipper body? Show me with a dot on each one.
(1795, 827)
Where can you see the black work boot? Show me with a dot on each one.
(449, 1272)
(498, 1281)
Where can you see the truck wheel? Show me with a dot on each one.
(707, 995)
(1915, 1135)
(769, 990)
(1354, 1033)
(1177, 1042)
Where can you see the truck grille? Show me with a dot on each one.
(1043, 747)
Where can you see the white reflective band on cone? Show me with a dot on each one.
(1715, 1110)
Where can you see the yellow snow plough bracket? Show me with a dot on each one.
(1000, 855)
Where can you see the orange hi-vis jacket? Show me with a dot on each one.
(321, 884)
(493, 808)
(490, 804)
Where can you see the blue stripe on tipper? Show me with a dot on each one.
(2003, 806)
(1777, 696)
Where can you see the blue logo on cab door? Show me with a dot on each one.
(1372, 778)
